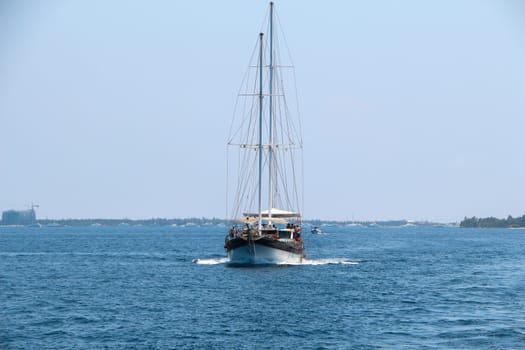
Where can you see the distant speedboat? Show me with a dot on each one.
(267, 142)
(410, 223)
(317, 231)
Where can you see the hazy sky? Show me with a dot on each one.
(410, 109)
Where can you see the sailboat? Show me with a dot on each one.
(266, 137)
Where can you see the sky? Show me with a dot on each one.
(121, 109)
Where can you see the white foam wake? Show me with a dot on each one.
(214, 261)
(329, 261)
(314, 262)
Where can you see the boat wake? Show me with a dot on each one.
(213, 261)
(329, 261)
(306, 262)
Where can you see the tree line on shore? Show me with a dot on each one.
(132, 222)
(493, 222)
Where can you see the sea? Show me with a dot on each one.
(130, 287)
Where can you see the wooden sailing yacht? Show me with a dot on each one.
(267, 141)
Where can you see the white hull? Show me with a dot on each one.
(263, 255)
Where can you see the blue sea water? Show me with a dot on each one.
(169, 288)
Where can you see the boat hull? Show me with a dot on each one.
(263, 251)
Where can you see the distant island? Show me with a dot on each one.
(28, 218)
(492, 222)
(21, 219)
(133, 222)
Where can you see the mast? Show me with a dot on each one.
(270, 143)
(260, 149)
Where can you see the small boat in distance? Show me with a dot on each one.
(266, 139)
(317, 230)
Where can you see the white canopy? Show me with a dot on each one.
(252, 219)
(275, 213)
(247, 220)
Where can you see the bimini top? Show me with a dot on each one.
(276, 213)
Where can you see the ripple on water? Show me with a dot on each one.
(120, 289)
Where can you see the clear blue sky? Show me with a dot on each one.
(410, 109)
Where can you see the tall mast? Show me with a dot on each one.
(260, 125)
(270, 143)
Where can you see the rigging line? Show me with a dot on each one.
(251, 128)
(244, 87)
(245, 170)
(295, 127)
(250, 189)
(296, 133)
(285, 110)
(247, 185)
(227, 179)
(244, 80)
(283, 177)
(265, 21)
(249, 121)
(256, 94)
(295, 189)
(281, 111)
(282, 174)
(292, 193)
(237, 191)
(249, 116)
(243, 186)
(289, 122)
(273, 65)
(279, 188)
(302, 183)
(281, 31)
(300, 131)
(270, 114)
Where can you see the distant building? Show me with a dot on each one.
(19, 217)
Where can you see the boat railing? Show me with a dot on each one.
(251, 232)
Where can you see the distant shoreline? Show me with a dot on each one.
(490, 222)
(217, 222)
